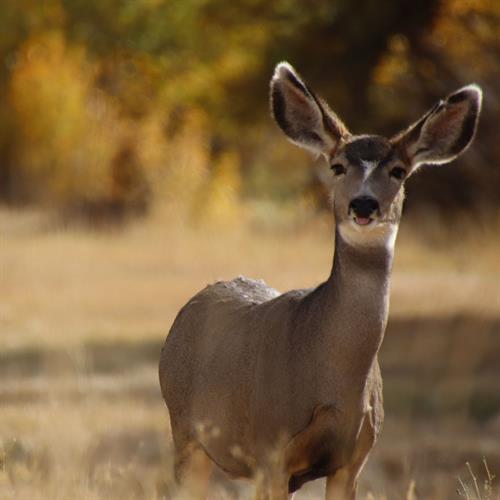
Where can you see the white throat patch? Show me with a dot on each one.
(383, 234)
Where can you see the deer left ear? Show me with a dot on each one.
(445, 131)
(304, 118)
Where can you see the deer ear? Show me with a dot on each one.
(445, 131)
(304, 118)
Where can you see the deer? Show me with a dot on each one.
(249, 374)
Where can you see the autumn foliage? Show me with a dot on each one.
(112, 107)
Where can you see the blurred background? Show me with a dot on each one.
(138, 162)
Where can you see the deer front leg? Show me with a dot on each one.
(270, 486)
(193, 471)
(341, 486)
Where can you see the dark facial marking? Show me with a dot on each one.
(371, 148)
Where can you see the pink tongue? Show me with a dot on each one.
(362, 221)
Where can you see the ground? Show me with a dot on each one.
(84, 313)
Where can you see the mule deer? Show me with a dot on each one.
(246, 370)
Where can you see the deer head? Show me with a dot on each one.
(370, 171)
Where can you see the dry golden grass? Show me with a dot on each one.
(65, 286)
(83, 315)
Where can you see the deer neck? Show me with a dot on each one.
(355, 306)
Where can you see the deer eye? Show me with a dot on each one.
(338, 169)
(398, 173)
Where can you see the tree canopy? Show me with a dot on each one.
(102, 98)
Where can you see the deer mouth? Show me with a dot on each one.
(363, 221)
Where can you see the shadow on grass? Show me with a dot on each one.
(429, 365)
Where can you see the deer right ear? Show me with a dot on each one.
(304, 118)
(445, 131)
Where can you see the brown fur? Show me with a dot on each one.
(287, 387)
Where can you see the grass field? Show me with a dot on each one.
(83, 315)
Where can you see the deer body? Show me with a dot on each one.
(247, 372)
(280, 354)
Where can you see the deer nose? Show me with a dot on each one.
(364, 206)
